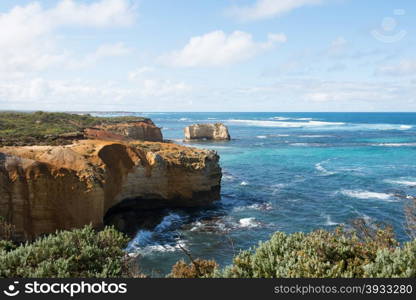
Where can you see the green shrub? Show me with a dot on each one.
(393, 264)
(323, 254)
(46, 128)
(77, 253)
(198, 268)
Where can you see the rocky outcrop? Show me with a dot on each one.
(45, 188)
(144, 131)
(217, 131)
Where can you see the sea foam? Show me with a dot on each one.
(402, 182)
(361, 194)
(281, 124)
(322, 170)
(248, 223)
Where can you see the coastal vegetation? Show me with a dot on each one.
(363, 250)
(371, 252)
(47, 128)
(77, 253)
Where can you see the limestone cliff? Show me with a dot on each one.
(145, 130)
(45, 188)
(215, 131)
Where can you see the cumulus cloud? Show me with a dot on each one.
(28, 44)
(218, 49)
(403, 68)
(264, 9)
(99, 14)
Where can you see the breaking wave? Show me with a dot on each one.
(402, 182)
(248, 223)
(322, 170)
(306, 123)
(360, 194)
(329, 221)
(281, 124)
(160, 239)
(394, 145)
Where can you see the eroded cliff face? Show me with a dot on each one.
(145, 131)
(45, 188)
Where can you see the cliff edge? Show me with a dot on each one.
(44, 188)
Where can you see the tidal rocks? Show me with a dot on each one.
(217, 131)
(46, 188)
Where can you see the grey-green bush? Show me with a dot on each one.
(323, 254)
(77, 253)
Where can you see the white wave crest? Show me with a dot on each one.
(329, 222)
(314, 136)
(285, 124)
(280, 118)
(304, 123)
(394, 145)
(360, 194)
(227, 177)
(257, 206)
(167, 222)
(248, 223)
(322, 170)
(147, 241)
(402, 182)
(244, 183)
(262, 137)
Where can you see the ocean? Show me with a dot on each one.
(287, 172)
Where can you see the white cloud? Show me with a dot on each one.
(337, 47)
(138, 73)
(41, 93)
(403, 68)
(103, 51)
(218, 49)
(150, 83)
(263, 9)
(98, 14)
(353, 91)
(27, 41)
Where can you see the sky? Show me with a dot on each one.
(200, 55)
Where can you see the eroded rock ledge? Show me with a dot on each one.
(45, 188)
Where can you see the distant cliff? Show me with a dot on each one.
(41, 128)
(44, 187)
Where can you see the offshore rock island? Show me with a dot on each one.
(76, 175)
(215, 132)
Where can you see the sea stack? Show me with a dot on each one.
(216, 132)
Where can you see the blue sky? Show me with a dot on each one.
(228, 55)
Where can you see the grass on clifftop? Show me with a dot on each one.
(48, 128)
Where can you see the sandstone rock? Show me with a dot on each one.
(215, 131)
(46, 188)
(143, 131)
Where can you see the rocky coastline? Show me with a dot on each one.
(44, 188)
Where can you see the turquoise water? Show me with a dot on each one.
(288, 172)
